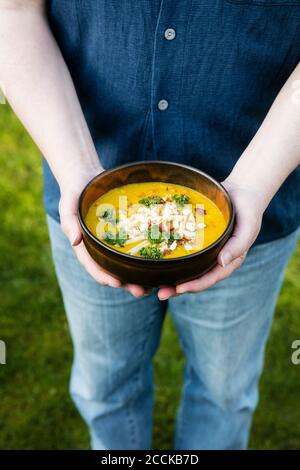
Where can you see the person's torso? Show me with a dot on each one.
(181, 80)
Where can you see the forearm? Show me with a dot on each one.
(39, 88)
(274, 152)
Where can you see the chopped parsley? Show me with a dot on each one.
(173, 236)
(108, 215)
(154, 235)
(115, 239)
(147, 201)
(151, 252)
(180, 199)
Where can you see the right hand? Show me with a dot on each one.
(70, 225)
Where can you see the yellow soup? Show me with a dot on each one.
(155, 220)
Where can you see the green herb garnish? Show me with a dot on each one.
(115, 239)
(181, 199)
(147, 201)
(172, 236)
(108, 215)
(150, 252)
(154, 235)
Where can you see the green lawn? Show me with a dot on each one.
(35, 410)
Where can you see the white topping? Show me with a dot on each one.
(187, 210)
(188, 246)
(190, 226)
(173, 245)
(169, 214)
(134, 240)
(188, 234)
(136, 248)
(163, 246)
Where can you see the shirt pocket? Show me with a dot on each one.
(265, 3)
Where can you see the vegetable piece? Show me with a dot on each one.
(170, 237)
(151, 252)
(134, 240)
(108, 215)
(200, 211)
(115, 239)
(154, 235)
(134, 250)
(147, 201)
(181, 199)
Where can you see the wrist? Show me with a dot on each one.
(249, 174)
(73, 182)
(260, 195)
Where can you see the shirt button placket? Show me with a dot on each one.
(168, 56)
(170, 34)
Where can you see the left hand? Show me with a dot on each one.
(70, 193)
(249, 207)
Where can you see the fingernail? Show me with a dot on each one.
(163, 297)
(135, 293)
(73, 241)
(226, 259)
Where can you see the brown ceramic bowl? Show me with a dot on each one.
(146, 272)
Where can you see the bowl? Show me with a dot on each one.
(149, 272)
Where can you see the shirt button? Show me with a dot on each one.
(170, 34)
(163, 105)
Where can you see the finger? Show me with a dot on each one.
(73, 230)
(138, 291)
(99, 274)
(135, 290)
(70, 224)
(165, 292)
(217, 274)
(240, 241)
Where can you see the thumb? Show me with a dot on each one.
(69, 221)
(241, 240)
(72, 229)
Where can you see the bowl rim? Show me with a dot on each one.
(161, 260)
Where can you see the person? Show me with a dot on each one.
(210, 84)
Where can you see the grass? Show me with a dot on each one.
(35, 410)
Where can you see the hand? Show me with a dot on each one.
(249, 207)
(70, 193)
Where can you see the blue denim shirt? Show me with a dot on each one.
(182, 80)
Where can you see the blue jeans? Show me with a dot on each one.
(222, 332)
